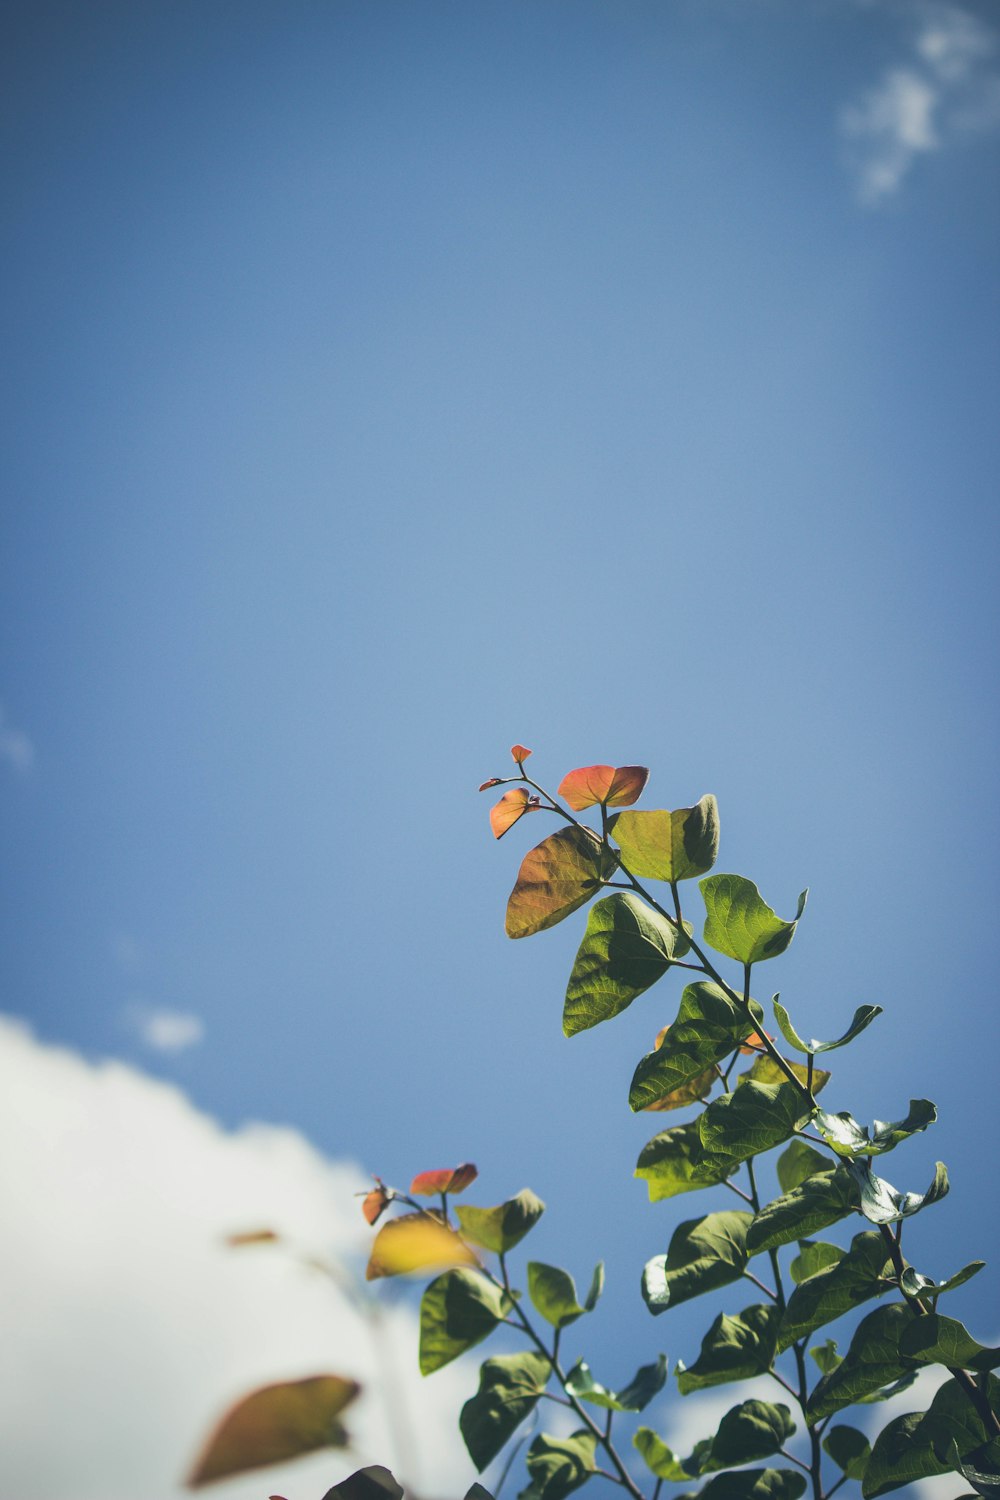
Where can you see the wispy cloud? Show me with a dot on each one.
(15, 746)
(945, 87)
(165, 1030)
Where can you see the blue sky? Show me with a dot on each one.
(389, 383)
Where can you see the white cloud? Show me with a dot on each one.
(946, 88)
(15, 747)
(164, 1030)
(133, 1327)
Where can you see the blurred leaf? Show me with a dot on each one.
(826, 1356)
(415, 1242)
(814, 1256)
(671, 846)
(376, 1202)
(519, 753)
(845, 1136)
(735, 1348)
(740, 923)
(553, 1294)
(477, 1492)
(372, 1483)
(819, 1201)
(627, 947)
(596, 1288)
(882, 1204)
(446, 1180)
(849, 1449)
(276, 1423)
(251, 1237)
(501, 1228)
(873, 1360)
(863, 1017)
(484, 786)
(457, 1310)
(559, 1465)
(798, 1161)
(937, 1340)
(752, 1430)
(703, 1254)
(646, 1383)
(591, 785)
(913, 1284)
(710, 1025)
(659, 1459)
(752, 1119)
(509, 1388)
(512, 805)
(557, 876)
(864, 1272)
(674, 1162)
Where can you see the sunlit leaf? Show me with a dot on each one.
(596, 1288)
(446, 1180)
(703, 1254)
(659, 1459)
(493, 781)
(882, 1204)
(519, 753)
(636, 1396)
(276, 1423)
(373, 1483)
(557, 876)
(627, 947)
(735, 1348)
(509, 1388)
(501, 1228)
(740, 923)
(415, 1242)
(814, 1256)
(674, 1162)
(603, 784)
(457, 1310)
(913, 1284)
(553, 1293)
(845, 1136)
(252, 1237)
(826, 1356)
(661, 845)
(559, 1465)
(512, 805)
(873, 1361)
(376, 1202)
(864, 1271)
(692, 1092)
(819, 1201)
(764, 1069)
(863, 1017)
(710, 1025)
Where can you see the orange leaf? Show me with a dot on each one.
(276, 1423)
(753, 1043)
(557, 876)
(519, 753)
(415, 1242)
(593, 784)
(447, 1180)
(493, 781)
(376, 1202)
(512, 805)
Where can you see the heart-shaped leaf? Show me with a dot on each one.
(457, 1310)
(607, 785)
(447, 1180)
(501, 1228)
(740, 923)
(557, 876)
(512, 805)
(661, 845)
(627, 947)
(276, 1423)
(509, 1388)
(413, 1243)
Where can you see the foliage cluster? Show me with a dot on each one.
(743, 1098)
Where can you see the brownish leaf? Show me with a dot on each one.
(276, 1423)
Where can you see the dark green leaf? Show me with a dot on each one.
(477, 1492)
(814, 1256)
(509, 1388)
(937, 1340)
(641, 1389)
(673, 1162)
(865, 1271)
(557, 876)
(373, 1483)
(559, 1465)
(752, 1430)
(661, 845)
(819, 1201)
(627, 947)
(740, 923)
(553, 1293)
(981, 1469)
(710, 1025)
(500, 1229)
(704, 1254)
(951, 1418)
(843, 1133)
(752, 1119)
(849, 1450)
(659, 1459)
(872, 1361)
(913, 1284)
(753, 1484)
(863, 1017)
(457, 1310)
(798, 1161)
(596, 1288)
(882, 1204)
(899, 1456)
(735, 1348)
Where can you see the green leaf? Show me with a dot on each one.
(937, 1340)
(644, 1385)
(873, 1360)
(765, 1070)
(814, 1256)
(740, 923)
(753, 1484)
(371, 1483)
(477, 1492)
(826, 1356)
(596, 1288)
(457, 1310)
(863, 1018)
(843, 1133)
(819, 1201)
(913, 1284)
(559, 1465)
(981, 1469)
(275, 1423)
(752, 1119)
(663, 845)
(882, 1204)
(673, 1162)
(752, 1430)
(557, 876)
(734, 1348)
(500, 1229)
(849, 1450)
(509, 1388)
(797, 1162)
(659, 1459)
(627, 947)
(710, 1025)
(553, 1293)
(865, 1271)
(899, 1456)
(951, 1418)
(703, 1254)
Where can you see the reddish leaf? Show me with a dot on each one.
(415, 1242)
(590, 785)
(447, 1180)
(276, 1423)
(493, 781)
(519, 753)
(376, 1202)
(753, 1043)
(557, 876)
(510, 807)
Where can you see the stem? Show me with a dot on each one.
(760, 1286)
